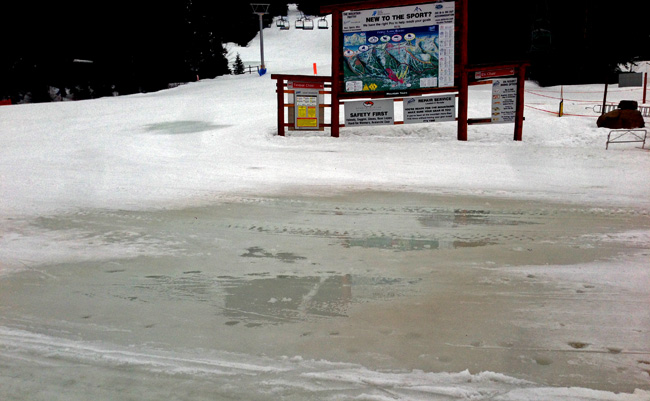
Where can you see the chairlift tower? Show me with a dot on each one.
(261, 10)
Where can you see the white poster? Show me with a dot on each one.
(369, 112)
(428, 109)
(399, 48)
(504, 100)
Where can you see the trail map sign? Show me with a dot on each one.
(399, 48)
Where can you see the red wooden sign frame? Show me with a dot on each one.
(464, 74)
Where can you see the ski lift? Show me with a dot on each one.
(283, 24)
(300, 23)
(322, 23)
(308, 24)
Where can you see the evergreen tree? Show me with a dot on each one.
(239, 66)
(205, 55)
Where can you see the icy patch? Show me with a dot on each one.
(629, 273)
(29, 246)
(637, 237)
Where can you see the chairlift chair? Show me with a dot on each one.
(322, 23)
(308, 24)
(283, 24)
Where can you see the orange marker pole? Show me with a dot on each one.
(315, 69)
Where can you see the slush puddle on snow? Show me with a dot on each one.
(170, 245)
(362, 296)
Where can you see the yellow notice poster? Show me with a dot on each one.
(306, 122)
(306, 117)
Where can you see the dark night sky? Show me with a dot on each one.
(77, 28)
(152, 36)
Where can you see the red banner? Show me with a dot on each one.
(501, 72)
(306, 85)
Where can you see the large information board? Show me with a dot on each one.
(399, 48)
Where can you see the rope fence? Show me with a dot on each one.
(559, 98)
(609, 90)
(645, 110)
(563, 114)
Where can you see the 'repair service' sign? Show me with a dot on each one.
(429, 109)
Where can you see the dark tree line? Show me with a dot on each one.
(97, 49)
(570, 42)
(145, 45)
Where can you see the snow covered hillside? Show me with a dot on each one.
(185, 145)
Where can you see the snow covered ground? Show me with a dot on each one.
(171, 245)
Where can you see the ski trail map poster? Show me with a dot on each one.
(399, 48)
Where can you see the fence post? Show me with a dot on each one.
(604, 99)
(337, 17)
(463, 90)
(519, 116)
(280, 92)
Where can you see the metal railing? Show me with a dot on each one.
(645, 110)
(627, 136)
